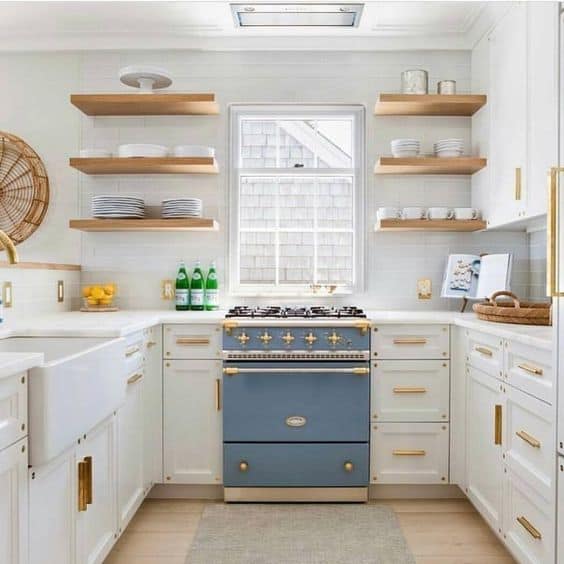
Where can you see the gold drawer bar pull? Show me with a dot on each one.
(412, 341)
(410, 390)
(409, 452)
(192, 341)
(217, 394)
(151, 344)
(497, 425)
(82, 506)
(518, 183)
(135, 378)
(535, 443)
(132, 350)
(531, 369)
(484, 350)
(88, 480)
(525, 523)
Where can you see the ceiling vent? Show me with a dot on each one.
(296, 15)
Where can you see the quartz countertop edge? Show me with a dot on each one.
(14, 363)
(127, 322)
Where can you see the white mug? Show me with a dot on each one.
(466, 213)
(413, 213)
(388, 213)
(439, 213)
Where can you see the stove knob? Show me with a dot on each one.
(265, 338)
(243, 338)
(310, 338)
(334, 339)
(288, 338)
(349, 467)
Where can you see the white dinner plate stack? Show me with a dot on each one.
(405, 147)
(449, 148)
(178, 208)
(118, 207)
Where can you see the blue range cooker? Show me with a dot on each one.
(296, 404)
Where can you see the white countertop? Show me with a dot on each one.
(13, 363)
(123, 323)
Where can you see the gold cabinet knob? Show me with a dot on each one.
(265, 338)
(243, 338)
(310, 338)
(288, 338)
(334, 339)
(349, 467)
(243, 466)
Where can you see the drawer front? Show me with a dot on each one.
(529, 439)
(409, 453)
(13, 409)
(295, 465)
(529, 522)
(410, 342)
(410, 390)
(134, 349)
(485, 352)
(530, 369)
(192, 342)
(324, 402)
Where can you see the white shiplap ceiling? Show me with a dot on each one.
(208, 24)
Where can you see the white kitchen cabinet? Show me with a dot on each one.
(192, 341)
(13, 409)
(192, 422)
(13, 504)
(130, 456)
(410, 341)
(484, 426)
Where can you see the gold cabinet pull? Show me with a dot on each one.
(526, 524)
(518, 183)
(135, 378)
(82, 505)
(151, 344)
(483, 350)
(408, 390)
(497, 425)
(552, 233)
(529, 439)
(132, 350)
(409, 452)
(217, 394)
(88, 479)
(411, 341)
(530, 369)
(192, 341)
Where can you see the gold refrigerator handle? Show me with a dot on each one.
(497, 425)
(218, 394)
(552, 234)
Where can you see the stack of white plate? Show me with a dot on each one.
(177, 208)
(449, 148)
(193, 151)
(142, 150)
(118, 207)
(405, 147)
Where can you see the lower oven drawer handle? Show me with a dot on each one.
(231, 370)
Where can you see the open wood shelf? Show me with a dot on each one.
(137, 104)
(189, 224)
(429, 104)
(430, 225)
(429, 165)
(146, 165)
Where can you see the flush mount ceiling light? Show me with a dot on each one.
(296, 15)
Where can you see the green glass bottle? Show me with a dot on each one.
(211, 297)
(197, 288)
(182, 294)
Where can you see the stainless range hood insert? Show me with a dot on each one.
(296, 15)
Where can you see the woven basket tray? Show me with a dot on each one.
(514, 311)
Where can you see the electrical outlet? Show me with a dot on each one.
(424, 291)
(60, 291)
(167, 289)
(7, 294)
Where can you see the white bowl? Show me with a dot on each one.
(193, 151)
(145, 77)
(95, 154)
(404, 154)
(142, 150)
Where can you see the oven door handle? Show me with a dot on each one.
(232, 370)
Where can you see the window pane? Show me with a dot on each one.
(296, 258)
(335, 203)
(297, 144)
(257, 258)
(297, 203)
(257, 202)
(335, 143)
(335, 255)
(258, 144)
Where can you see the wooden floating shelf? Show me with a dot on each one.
(190, 224)
(429, 165)
(467, 225)
(146, 165)
(169, 104)
(429, 104)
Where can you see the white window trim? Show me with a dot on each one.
(236, 111)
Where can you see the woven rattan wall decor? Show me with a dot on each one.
(24, 188)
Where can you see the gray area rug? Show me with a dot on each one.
(299, 534)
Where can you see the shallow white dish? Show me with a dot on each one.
(145, 77)
(95, 154)
(193, 151)
(449, 153)
(142, 150)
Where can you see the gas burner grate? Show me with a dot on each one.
(313, 312)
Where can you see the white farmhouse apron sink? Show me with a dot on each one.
(82, 381)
